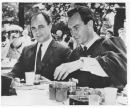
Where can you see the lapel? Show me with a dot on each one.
(94, 49)
(49, 51)
(30, 61)
(80, 51)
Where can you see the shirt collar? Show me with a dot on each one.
(91, 42)
(45, 43)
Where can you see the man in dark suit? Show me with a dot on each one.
(96, 62)
(52, 53)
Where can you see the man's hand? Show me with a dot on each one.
(15, 82)
(65, 69)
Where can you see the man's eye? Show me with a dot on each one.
(70, 30)
(41, 27)
(33, 29)
(76, 28)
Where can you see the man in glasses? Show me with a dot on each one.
(14, 31)
(96, 62)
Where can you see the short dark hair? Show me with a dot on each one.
(45, 15)
(121, 29)
(85, 13)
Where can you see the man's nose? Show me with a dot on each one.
(37, 30)
(74, 34)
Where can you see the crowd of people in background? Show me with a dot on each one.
(14, 41)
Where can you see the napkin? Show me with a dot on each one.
(122, 100)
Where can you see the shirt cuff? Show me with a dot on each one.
(92, 65)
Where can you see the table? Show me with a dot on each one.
(38, 97)
(30, 97)
(7, 65)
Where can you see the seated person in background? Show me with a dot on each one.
(58, 35)
(25, 39)
(96, 62)
(45, 55)
(116, 40)
(15, 44)
(109, 34)
(63, 42)
(122, 34)
(5, 45)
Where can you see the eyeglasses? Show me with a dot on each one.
(14, 31)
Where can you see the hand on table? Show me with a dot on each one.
(16, 82)
(44, 80)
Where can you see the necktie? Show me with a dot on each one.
(38, 62)
(84, 50)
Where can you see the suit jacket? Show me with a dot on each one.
(55, 55)
(112, 60)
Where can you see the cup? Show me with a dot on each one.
(61, 93)
(30, 77)
(94, 99)
(110, 99)
(72, 87)
(52, 91)
(110, 90)
(37, 79)
(110, 95)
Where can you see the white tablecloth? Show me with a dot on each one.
(6, 65)
(31, 97)
(41, 97)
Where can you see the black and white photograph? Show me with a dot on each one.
(64, 53)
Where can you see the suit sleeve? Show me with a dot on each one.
(66, 54)
(114, 63)
(18, 69)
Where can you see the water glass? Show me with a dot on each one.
(94, 99)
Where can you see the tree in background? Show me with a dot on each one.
(21, 15)
(28, 11)
(10, 12)
(119, 20)
(58, 14)
(105, 15)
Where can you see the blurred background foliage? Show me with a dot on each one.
(19, 13)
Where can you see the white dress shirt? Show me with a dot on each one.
(43, 50)
(91, 64)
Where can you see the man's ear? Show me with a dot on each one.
(90, 24)
(50, 26)
(31, 32)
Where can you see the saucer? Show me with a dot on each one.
(25, 87)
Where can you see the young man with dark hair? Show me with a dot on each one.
(96, 62)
